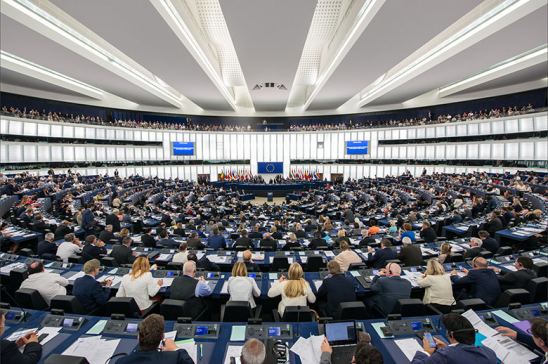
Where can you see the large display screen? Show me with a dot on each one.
(357, 147)
(183, 148)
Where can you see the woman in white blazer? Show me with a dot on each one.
(139, 284)
(438, 288)
(295, 290)
(241, 287)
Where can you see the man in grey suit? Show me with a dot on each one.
(388, 287)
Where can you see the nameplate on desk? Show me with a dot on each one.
(273, 331)
(121, 327)
(71, 323)
(204, 331)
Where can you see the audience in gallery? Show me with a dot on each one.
(294, 125)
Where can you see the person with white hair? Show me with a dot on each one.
(47, 246)
(253, 352)
(191, 290)
(475, 248)
(388, 287)
(410, 255)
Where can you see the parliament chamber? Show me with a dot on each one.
(374, 190)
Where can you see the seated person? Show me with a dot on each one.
(122, 253)
(62, 230)
(336, 288)
(518, 279)
(347, 256)
(70, 248)
(153, 348)
(388, 287)
(10, 350)
(203, 262)
(47, 246)
(215, 240)
(365, 353)
(317, 242)
(179, 230)
(48, 284)
(166, 241)
(366, 239)
(292, 243)
(475, 248)
(194, 242)
(438, 290)
(182, 255)
(268, 243)
(256, 234)
(408, 231)
(90, 293)
(241, 287)
(536, 341)
(299, 231)
(107, 235)
(295, 290)
(373, 228)
(341, 236)
(191, 290)
(147, 239)
(427, 233)
(251, 266)
(445, 253)
(93, 249)
(253, 352)
(243, 241)
(275, 233)
(139, 284)
(483, 281)
(377, 258)
(489, 243)
(461, 348)
(410, 255)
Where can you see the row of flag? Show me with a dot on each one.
(235, 175)
(304, 174)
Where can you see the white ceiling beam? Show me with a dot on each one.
(484, 20)
(50, 21)
(507, 67)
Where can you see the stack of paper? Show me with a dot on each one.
(87, 348)
(309, 350)
(409, 347)
(115, 280)
(233, 351)
(8, 268)
(190, 346)
(74, 277)
(166, 281)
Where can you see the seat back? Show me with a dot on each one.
(177, 266)
(30, 298)
(237, 311)
(123, 305)
(514, 295)
(109, 262)
(172, 309)
(298, 314)
(472, 303)
(65, 359)
(352, 311)
(357, 266)
(538, 287)
(504, 250)
(280, 264)
(408, 307)
(17, 276)
(69, 304)
(541, 269)
(456, 258)
(314, 263)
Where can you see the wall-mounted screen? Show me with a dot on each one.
(183, 148)
(357, 147)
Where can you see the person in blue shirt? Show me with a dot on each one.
(408, 231)
(462, 336)
(216, 240)
(90, 293)
(153, 348)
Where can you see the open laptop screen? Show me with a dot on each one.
(341, 333)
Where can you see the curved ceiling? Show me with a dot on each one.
(265, 58)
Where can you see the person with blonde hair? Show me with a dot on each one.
(294, 289)
(139, 284)
(438, 288)
(347, 256)
(445, 253)
(241, 287)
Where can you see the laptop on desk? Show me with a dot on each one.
(342, 337)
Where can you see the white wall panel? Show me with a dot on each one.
(68, 131)
(450, 151)
(541, 150)
(527, 151)
(485, 151)
(473, 151)
(497, 151)
(44, 152)
(473, 129)
(485, 127)
(68, 152)
(461, 151)
(511, 151)
(511, 126)
(80, 153)
(526, 124)
(541, 122)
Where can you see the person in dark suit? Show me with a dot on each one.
(518, 279)
(62, 230)
(317, 242)
(427, 233)
(88, 220)
(377, 258)
(366, 239)
(122, 253)
(216, 240)
(166, 241)
(9, 350)
(194, 242)
(39, 225)
(410, 255)
(147, 239)
(388, 287)
(90, 293)
(179, 230)
(292, 243)
(112, 219)
(203, 263)
(248, 261)
(244, 241)
(494, 224)
(47, 246)
(256, 234)
(489, 243)
(483, 281)
(107, 235)
(475, 248)
(461, 348)
(151, 336)
(336, 288)
(93, 249)
(189, 289)
(268, 243)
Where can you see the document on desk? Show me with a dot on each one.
(478, 324)
(233, 351)
(309, 350)
(97, 328)
(166, 281)
(115, 279)
(506, 317)
(509, 351)
(164, 257)
(75, 276)
(329, 254)
(190, 346)
(20, 333)
(50, 331)
(409, 347)
(87, 347)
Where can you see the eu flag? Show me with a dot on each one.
(270, 167)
